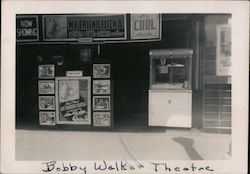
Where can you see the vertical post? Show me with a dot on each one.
(98, 49)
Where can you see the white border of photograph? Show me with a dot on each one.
(102, 123)
(51, 76)
(52, 106)
(97, 74)
(37, 27)
(50, 114)
(100, 90)
(49, 90)
(101, 109)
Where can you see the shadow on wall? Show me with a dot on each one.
(187, 144)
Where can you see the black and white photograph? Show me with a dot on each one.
(46, 71)
(101, 103)
(47, 118)
(101, 119)
(101, 71)
(112, 87)
(101, 86)
(46, 103)
(46, 86)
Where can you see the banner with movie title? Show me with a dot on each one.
(73, 100)
(27, 28)
(74, 27)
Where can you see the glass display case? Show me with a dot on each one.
(170, 68)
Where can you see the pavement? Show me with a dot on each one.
(167, 144)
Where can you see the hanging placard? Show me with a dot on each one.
(27, 28)
(145, 26)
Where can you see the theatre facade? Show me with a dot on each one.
(110, 71)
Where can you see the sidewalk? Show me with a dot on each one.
(92, 145)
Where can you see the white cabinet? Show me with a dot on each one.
(170, 108)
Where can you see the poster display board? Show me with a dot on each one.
(27, 28)
(145, 26)
(74, 27)
(73, 100)
(223, 50)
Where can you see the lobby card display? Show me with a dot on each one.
(101, 103)
(101, 86)
(101, 71)
(47, 118)
(73, 100)
(46, 87)
(101, 119)
(46, 71)
(46, 103)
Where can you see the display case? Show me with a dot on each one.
(170, 92)
(170, 69)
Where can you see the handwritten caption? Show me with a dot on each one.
(119, 166)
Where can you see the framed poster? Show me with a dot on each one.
(223, 50)
(46, 87)
(27, 28)
(101, 70)
(46, 71)
(101, 119)
(101, 86)
(46, 103)
(101, 103)
(73, 97)
(145, 26)
(47, 118)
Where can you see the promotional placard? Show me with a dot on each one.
(46, 71)
(73, 27)
(145, 26)
(101, 70)
(46, 103)
(46, 87)
(101, 102)
(47, 118)
(73, 100)
(101, 119)
(101, 86)
(27, 28)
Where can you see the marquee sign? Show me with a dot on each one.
(75, 27)
(27, 28)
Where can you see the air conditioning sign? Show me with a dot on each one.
(27, 28)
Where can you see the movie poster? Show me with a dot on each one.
(101, 70)
(101, 86)
(46, 71)
(47, 118)
(46, 87)
(73, 100)
(46, 103)
(101, 102)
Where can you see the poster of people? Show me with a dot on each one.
(46, 71)
(55, 27)
(46, 102)
(101, 119)
(46, 87)
(223, 50)
(101, 102)
(101, 71)
(47, 118)
(101, 86)
(73, 100)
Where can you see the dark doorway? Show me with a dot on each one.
(130, 72)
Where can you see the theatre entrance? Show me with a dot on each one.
(130, 72)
